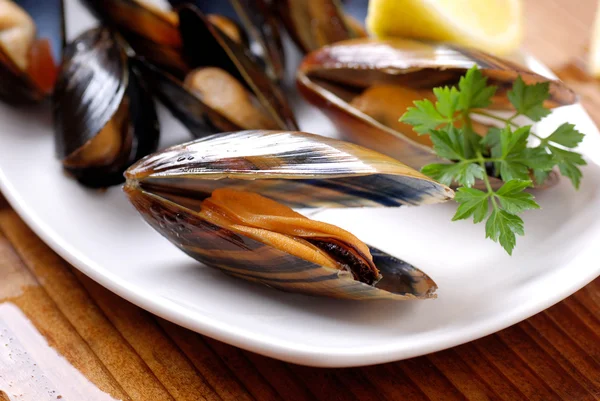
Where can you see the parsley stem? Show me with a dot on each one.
(542, 139)
(495, 117)
(510, 120)
(469, 137)
(486, 179)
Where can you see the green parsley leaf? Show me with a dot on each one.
(538, 158)
(503, 227)
(471, 202)
(474, 91)
(424, 117)
(540, 176)
(529, 99)
(492, 139)
(513, 163)
(447, 101)
(566, 135)
(463, 173)
(514, 142)
(448, 143)
(443, 173)
(567, 162)
(507, 148)
(540, 161)
(513, 170)
(513, 199)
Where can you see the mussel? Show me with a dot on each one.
(153, 31)
(27, 63)
(227, 90)
(313, 24)
(260, 32)
(104, 116)
(225, 200)
(173, 49)
(365, 85)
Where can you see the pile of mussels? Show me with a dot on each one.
(226, 198)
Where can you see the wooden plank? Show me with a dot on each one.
(124, 364)
(463, 377)
(207, 362)
(493, 377)
(242, 368)
(287, 385)
(541, 362)
(170, 365)
(564, 351)
(393, 383)
(43, 356)
(515, 369)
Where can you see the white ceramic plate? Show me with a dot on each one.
(481, 289)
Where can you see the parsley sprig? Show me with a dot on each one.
(503, 152)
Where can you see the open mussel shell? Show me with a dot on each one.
(205, 45)
(313, 24)
(153, 33)
(104, 116)
(333, 77)
(35, 31)
(292, 168)
(259, 23)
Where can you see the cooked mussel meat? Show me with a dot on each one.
(365, 85)
(104, 117)
(223, 93)
(226, 201)
(27, 66)
(313, 24)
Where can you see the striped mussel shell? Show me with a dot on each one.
(295, 169)
(104, 115)
(333, 77)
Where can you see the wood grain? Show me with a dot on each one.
(62, 336)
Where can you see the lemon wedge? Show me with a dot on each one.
(491, 25)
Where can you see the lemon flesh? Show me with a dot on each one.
(491, 25)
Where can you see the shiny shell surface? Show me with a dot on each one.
(95, 79)
(293, 168)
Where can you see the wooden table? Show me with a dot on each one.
(62, 336)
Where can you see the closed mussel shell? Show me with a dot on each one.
(295, 169)
(104, 117)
